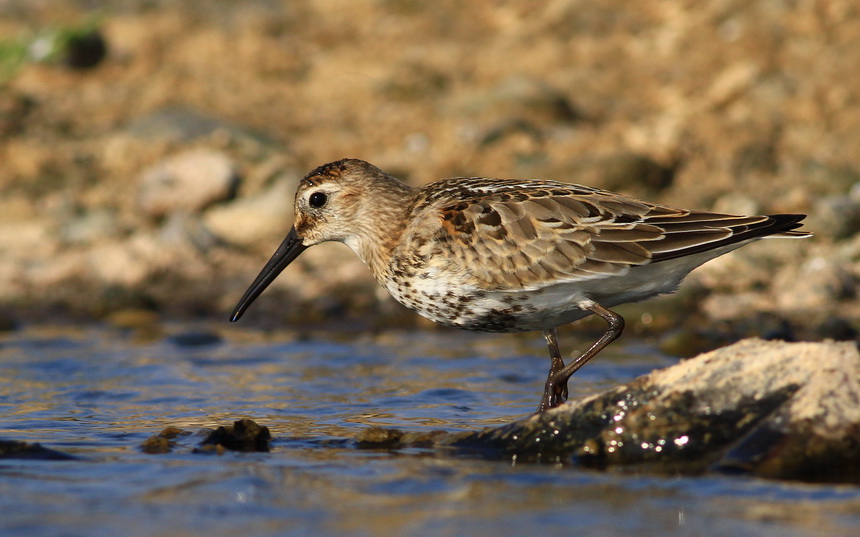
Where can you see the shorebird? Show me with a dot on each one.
(505, 255)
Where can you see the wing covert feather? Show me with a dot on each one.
(533, 234)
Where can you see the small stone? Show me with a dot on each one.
(188, 182)
(251, 220)
(378, 438)
(156, 444)
(243, 435)
(163, 442)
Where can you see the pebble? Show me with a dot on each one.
(189, 182)
(255, 219)
(244, 435)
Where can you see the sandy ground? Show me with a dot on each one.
(731, 105)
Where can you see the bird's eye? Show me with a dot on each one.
(317, 200)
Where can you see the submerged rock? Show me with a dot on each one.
(14, 449)
(162, 442)
(766, 408)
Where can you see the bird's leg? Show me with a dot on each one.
(555, 392)
(556, 365)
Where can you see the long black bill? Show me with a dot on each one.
(283, 256)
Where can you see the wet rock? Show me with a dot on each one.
(189, 182)
(766, 408)
(196, 339)
(162, 442)
(384, 438)
(244, 435)
(378, 438)
(13, 449)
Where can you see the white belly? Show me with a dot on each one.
(449, 300)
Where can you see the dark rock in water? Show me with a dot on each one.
(7, 322)
(162, 442)
(196, 339)
(379, 438)
(766, 408)
(244, 435)
(13, 449)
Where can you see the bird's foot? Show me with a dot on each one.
(554, 394)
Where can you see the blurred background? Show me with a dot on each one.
(149, 149)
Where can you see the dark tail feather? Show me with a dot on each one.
(774, 225)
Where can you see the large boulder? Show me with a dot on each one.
(766, 408)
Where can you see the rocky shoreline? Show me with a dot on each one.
(160, 179)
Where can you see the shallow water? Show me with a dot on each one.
(98, 394)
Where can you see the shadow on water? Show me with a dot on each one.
(98, 394)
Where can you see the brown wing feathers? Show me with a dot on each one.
(582, 233)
